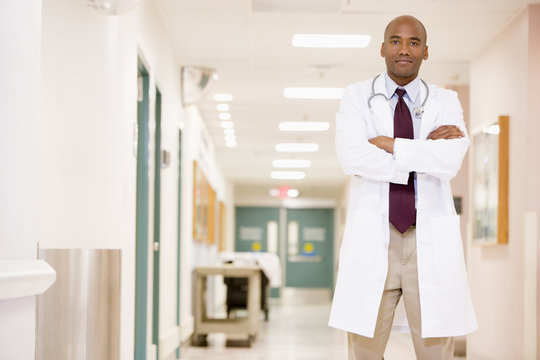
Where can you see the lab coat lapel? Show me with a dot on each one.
(381, 108)
(431, 109)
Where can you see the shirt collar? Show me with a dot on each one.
(412, 88)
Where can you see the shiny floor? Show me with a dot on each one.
(296, 330)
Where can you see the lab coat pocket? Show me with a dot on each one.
(447, 245)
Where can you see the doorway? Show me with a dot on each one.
(142, 211)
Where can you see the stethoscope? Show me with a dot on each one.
(418, 111)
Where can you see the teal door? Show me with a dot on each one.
(179, 237)
(309, 252)
(141, 227)
(157, 225)
(257, 229)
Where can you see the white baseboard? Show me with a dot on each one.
(169, 342)
(186, 328)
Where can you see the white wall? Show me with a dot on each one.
(88, 169)
(20, 32)
(504, 81)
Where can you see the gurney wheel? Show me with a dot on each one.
(200, 340)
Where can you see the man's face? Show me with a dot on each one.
(403, 49)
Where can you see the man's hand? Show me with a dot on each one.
(446, 132)
(383, 142)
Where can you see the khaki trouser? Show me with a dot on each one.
(402, 279)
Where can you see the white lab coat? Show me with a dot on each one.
(446, 308)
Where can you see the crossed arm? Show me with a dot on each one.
(443, 132)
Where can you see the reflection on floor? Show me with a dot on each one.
(297, 330)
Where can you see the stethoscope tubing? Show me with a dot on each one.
(416, 111)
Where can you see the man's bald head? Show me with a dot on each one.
(404, 48)
(404, 19)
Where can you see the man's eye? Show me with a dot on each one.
(395, 42)
(414, 43)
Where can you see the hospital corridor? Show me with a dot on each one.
(269, 180)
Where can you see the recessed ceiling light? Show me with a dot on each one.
(224, 116)
(223, 97)
(227, 124)
(296, 147)
(229, 131)
(312, 93)
(230, 138)
(293, 193)
(342, 41)
(288, 175)
(304, 126)
(223, 107)
(291, 163)
(231, 144)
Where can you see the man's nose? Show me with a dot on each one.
(404, 49)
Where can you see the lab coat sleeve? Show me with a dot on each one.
(356, 155)
(440, 158)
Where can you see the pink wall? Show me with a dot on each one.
(533, 129)
(504, 81)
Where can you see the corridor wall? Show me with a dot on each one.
(20, 32)
(504, 81)
(86, 154)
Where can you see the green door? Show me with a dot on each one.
(257, 229)
(141, 227)
(157, 225)
(309, 252)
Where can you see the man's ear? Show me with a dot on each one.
(382, 49)
(426, 53)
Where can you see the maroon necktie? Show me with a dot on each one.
(402, 209)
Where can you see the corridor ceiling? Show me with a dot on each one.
(248, 42)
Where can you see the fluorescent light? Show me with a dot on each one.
(223, 107)
(231, 144)
(293, 193)
(296, 147)
(291, 163)
(274, 192)
(312, 93)
(304, 126)
(492, 130)
(224, 116)
(230, 138)
(223, 97)
(227, 124)
(229, 131)
(288, 175)
(342, 41)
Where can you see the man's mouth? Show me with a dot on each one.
(403, 61)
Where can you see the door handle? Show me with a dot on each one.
(155, 246)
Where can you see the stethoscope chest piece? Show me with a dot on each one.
(417, 112)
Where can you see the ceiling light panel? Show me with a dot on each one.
(224, 116)
(334, 41)
(288, 175)
(227, 124)
(291, 163)
(312, 93)
(223, 107)
(296, 147)
(304, 126)
(293, 193)
(223, 97)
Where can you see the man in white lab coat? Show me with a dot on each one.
(402, 235)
